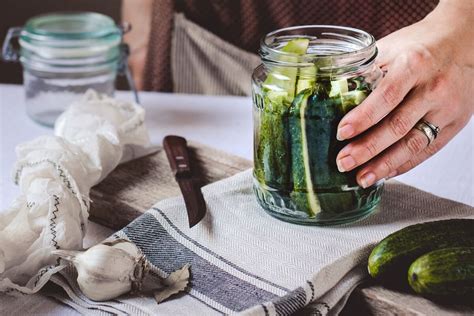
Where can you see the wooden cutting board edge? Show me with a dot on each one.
(133, 187)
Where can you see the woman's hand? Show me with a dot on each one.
(429, 75)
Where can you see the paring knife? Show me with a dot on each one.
(177, 152)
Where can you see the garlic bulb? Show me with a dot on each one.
(106, 271)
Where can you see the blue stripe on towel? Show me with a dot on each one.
(291, 302)
(168, 254)
(216, 255)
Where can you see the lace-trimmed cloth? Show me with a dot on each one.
(55, 174)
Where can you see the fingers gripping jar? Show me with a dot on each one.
(310, 77)
(65, 54)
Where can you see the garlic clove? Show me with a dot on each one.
(105, 272)
(125, 245)
(98, 289)
(105, 261)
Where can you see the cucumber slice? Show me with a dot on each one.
(263, 151)
(272, 166)
(296, 46)
(277, 97)
(285, 79)
(338, 87)
(351, 99)
(306, 78)
(303, 195)
(303, 84)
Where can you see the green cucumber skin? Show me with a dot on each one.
(262, 151)
(391, 258)
(323, 117)
(280, 148)
(325, 113)
(271, 152)
(272, 165)
(299, 193)
(444, 272)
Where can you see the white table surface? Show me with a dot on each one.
(225, 123)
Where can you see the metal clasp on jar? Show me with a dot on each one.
(9, 53)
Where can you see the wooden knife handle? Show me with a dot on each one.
(176, 149)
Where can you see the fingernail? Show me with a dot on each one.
(392, 174)
(345, 132)
(345, 163)
(367, 180)
(345, 151)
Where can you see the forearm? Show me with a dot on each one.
(453, 21)
(461, 4)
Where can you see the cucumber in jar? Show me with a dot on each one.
(285, 82)
(274, 144)
(272, 151)
(322, 119)
(296, 145)
(303, 194)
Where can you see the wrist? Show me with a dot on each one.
(452, 21)
(456, 4)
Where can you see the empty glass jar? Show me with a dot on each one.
(310, 77)
(63, 55)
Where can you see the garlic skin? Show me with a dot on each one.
(107, 271)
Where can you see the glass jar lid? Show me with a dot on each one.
(69, 35)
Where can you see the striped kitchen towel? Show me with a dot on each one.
(245, 261)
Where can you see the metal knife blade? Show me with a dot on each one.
(177, 151)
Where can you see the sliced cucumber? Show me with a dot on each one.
(285, 79)
(296, 46)
(338, 87)
(304, 195)
(351, 99)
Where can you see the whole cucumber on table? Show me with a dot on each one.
(391, 258)
(444, 272)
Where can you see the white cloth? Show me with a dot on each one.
(245, 261)
(55, 174)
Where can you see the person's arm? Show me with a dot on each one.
(138, 14)
(430, 75)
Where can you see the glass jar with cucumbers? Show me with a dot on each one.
(310, 77)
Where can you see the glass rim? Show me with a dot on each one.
(365, 52)
(101, 27)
